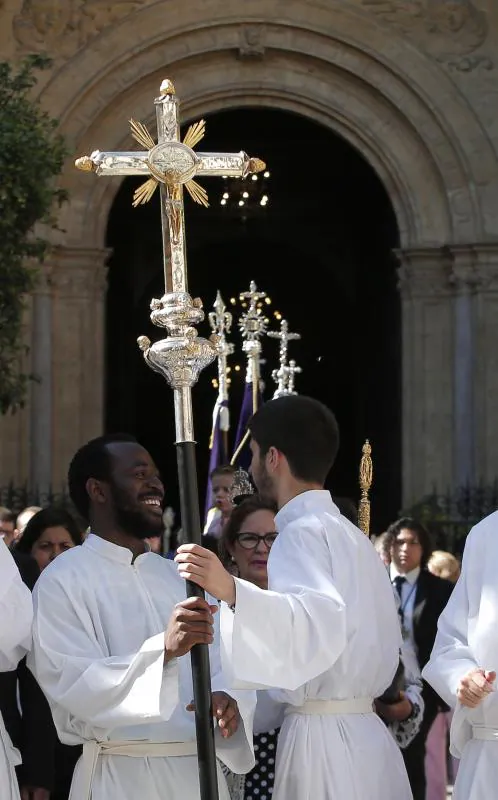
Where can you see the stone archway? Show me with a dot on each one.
(341, 67)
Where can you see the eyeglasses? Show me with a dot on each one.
(249, 541)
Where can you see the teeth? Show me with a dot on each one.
(152, 502)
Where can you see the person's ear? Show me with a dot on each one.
(98, 491)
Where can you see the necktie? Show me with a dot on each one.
(398, 583)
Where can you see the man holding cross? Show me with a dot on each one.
(111, 638)
(325, 637)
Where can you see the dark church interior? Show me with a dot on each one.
(321, 246)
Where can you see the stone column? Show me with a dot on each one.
(428, 371)
(464, 281)
(78, 281)
(40, 404)
(486, 375)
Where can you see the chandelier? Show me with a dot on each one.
(244, 197)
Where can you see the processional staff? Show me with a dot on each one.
(172, 165)
(252, 325)
(366, 477)
(285, 373)
(221, 322)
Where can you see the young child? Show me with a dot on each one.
(221, 485)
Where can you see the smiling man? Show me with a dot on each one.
(111, 634)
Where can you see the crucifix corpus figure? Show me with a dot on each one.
(170, 165)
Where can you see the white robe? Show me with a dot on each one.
(468, 638)
(16, 614)
(98, 654)
(326, 629)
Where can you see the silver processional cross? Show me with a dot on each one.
(172, 164)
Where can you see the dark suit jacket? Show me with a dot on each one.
(430, 600)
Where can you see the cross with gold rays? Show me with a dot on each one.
(170, 164)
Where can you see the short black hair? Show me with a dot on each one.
(51, 517)
(301, 428)
(93, 460)
(420, 530)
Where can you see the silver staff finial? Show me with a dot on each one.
(252, 325)
(283, 375)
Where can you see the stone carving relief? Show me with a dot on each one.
(252, 41)
(447, 29)
(62, 28)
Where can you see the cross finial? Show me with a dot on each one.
(293, 371)
(282, 376)
(252, 322)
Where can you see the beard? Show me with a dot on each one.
(134, 520)
(264, 484)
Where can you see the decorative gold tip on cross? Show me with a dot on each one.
(85, 163)
(167, 87)
(256, 165)
(366, 477)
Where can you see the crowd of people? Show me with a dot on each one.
(323, 681)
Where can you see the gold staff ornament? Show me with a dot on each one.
(366, 477)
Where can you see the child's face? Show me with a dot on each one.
(222, 486)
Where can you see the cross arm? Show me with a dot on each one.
(115, 163)
(231, 165)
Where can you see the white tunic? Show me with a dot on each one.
(327, 629)
(98, 654)
(16, 614)
(468, 638)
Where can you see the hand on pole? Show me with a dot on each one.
(204, 568)
(475, 686)
(225, 711)
(191, 623)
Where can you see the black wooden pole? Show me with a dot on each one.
(201, 676)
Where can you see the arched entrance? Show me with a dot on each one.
(339, 65)
(322, 249)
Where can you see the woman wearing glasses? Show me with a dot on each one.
(246, 542)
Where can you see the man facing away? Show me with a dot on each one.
(110, 638)
(325, 637)
(16, 613)
(463, 664)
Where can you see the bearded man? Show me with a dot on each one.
(111, 634)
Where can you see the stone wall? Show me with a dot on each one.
(412, 85)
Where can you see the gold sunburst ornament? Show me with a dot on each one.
(171, 166)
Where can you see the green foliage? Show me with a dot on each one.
(31, 156)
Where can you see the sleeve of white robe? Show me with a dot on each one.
(16, 613)
(104, 691)
(237, 752)
(259, 638)
(451, 658)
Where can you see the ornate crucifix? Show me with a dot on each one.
(284, 375)
(172, 165)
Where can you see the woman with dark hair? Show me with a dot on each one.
(47, 764)
(49, 533)
(245, 546)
